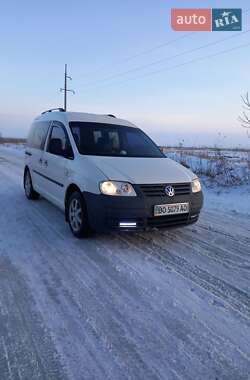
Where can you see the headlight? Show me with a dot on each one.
(117, 188)
(196, 186)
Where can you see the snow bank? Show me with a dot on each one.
(222, 167)
(236, 198)
(15, 149)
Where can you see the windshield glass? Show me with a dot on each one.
(99, 139)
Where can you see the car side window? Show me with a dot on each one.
(30, 136)
(59, 143)
(38, 134)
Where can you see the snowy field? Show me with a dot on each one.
(225, 175)
(171, 304)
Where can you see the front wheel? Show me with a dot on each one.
(28, 187)
(77, 216)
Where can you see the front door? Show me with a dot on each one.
(56, 160)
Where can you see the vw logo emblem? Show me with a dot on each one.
(169, 190)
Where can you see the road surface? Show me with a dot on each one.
(161, 305)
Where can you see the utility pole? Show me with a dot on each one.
(65, 89)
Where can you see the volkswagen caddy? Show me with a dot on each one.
(106, 173)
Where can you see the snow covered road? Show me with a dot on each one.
(161, 305)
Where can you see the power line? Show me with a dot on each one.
(199, 59)
(145, 52)
(179, 65)
(138, 68)
(65, 89)
(152, 49)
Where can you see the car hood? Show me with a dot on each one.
(142, 170)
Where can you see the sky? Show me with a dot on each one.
(195, 103)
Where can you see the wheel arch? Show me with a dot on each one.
(26, 168)
(70, 190)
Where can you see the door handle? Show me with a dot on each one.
(46, 163)
(68, 172)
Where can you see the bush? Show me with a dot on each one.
(216, 165)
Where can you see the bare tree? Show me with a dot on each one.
(245, 118)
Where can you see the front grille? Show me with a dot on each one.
(167, 221)
(159, 189)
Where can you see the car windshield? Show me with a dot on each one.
(100, 139)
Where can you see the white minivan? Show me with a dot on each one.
(106, 173)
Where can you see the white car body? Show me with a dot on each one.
(52, 175)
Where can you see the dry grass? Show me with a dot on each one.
(226, 167)
(12, 140)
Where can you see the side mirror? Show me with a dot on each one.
(55, 147)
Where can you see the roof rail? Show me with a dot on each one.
(110, 115)
(54, 109)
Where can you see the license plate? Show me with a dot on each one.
(171, 209)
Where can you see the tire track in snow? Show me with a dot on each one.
(28, 349)
(211, 257)
(236, 298)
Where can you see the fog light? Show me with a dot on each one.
(193, 216)
(127, 224)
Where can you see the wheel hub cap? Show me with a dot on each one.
(75, 215)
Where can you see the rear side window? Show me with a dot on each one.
(38, 134)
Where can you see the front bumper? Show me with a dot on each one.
(107, 212)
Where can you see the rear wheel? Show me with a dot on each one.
(28, 187)
(77, 216)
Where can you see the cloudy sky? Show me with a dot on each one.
(125, 59)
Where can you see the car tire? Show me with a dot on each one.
(28, 186)
(78, 216)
